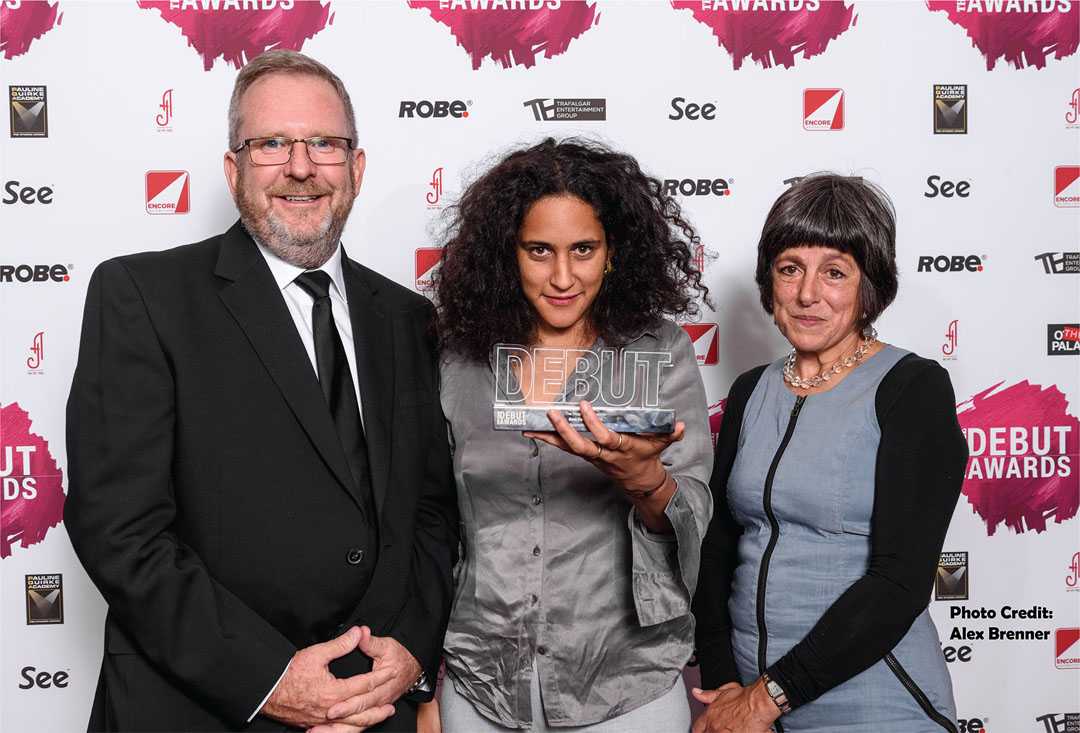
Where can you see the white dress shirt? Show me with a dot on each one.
(299, 304)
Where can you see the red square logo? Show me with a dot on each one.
(427, 262)
(168, 192)
(1067, 186)
(1067, 648)
(705, 337)
(823, 109)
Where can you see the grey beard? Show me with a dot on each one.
(308, 252)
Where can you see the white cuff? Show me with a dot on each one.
(279, 679)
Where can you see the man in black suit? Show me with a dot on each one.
(260, 482)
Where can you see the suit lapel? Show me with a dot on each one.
(373, 337)
(253, 299)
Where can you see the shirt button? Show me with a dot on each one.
(537, 500)
(536, 551)
(541, 650)
(354, 556)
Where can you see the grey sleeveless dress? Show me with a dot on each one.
(821, 497)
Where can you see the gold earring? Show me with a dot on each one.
(608, 268)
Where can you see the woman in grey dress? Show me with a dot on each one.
(572, 603)
(837, 470)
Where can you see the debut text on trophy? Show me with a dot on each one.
(623, 387)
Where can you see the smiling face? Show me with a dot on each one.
(561, 254)
(297, 209)
(816, 298)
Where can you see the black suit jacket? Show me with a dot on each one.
(210, 500)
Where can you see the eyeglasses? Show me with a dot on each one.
(321, 150)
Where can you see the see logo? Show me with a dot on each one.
(43, 680)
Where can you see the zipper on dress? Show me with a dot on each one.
(774, 527)
(918, 694)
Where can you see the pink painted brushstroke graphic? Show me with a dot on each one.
(774, 37)
(26, 520)
(237, 36)
(1000, 488)
(1021, 38)
(21, 26)
(514, 37)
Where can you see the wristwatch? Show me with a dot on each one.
(421, 684)
(776, 692)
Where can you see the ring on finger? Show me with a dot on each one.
(599, 451)
(618, 446)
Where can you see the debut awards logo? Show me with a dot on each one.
(772, 33)
(1022, 446)
(32, 482)
(512, 32)
(237, 31)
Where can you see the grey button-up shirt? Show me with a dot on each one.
(557, 573)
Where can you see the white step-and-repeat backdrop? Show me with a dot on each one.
(965, 111)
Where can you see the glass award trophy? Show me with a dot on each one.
(622, 385)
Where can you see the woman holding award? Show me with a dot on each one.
(581, 550)
(837, 470)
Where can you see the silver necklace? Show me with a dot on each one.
(846, 363)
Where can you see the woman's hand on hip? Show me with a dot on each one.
(733, 708)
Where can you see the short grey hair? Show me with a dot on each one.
(284, 62)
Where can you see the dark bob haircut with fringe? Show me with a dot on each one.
(845, 213)
(478, 285)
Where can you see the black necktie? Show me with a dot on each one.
(336, 382)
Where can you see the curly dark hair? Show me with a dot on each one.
(478, 287)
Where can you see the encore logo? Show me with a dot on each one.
(823, 109)
(428, 260)
(1067, 186)
(168, 192)
(705, 337)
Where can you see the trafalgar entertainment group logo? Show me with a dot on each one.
(1059, 722)
(44, 599)
(950, 109)
(951, 581)
(168, 192)
(1067, 186)
(1060, 263)
(567, 109)
(1062, 339)
(29, 106)
(706, 340)
(823, 109)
